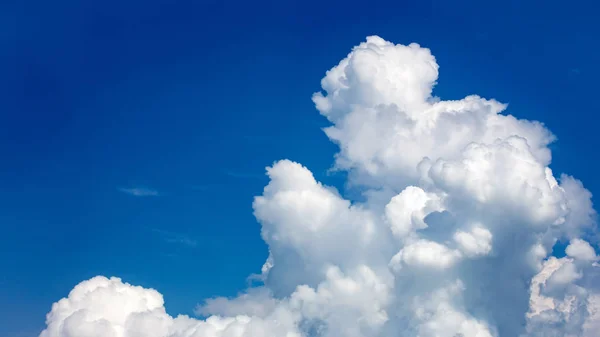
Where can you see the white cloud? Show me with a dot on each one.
(406, 211)
(478, 241)
(139, 191)
(453, 238)
(426, 253)
(581, 250)
(560, 307)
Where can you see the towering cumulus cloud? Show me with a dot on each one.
(454, 235)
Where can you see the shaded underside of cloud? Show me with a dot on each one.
(454, 237)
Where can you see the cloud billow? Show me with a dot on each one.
(454, 237)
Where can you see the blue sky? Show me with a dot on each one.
(134, 134)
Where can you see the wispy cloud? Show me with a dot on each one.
(139, 191)
(176, 238)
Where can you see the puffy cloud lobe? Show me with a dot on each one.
(378, 72)
(386, 121)
(102, 307)
(453, 239)
(581, 215)
(310, 226)
(503, 176)
(476, 242)
(349, 305)
(558, 305)
(426, 254)
(256, 302)
(581, 250)
(566, 274)
(406, 212)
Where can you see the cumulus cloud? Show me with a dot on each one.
(453, 238)
(581, 250)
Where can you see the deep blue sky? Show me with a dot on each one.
(194, 99)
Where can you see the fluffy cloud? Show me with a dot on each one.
(454, 237)
(475, 242)
(581, 250)
(425, 253)
(102, 307)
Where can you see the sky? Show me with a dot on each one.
(135, 134)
